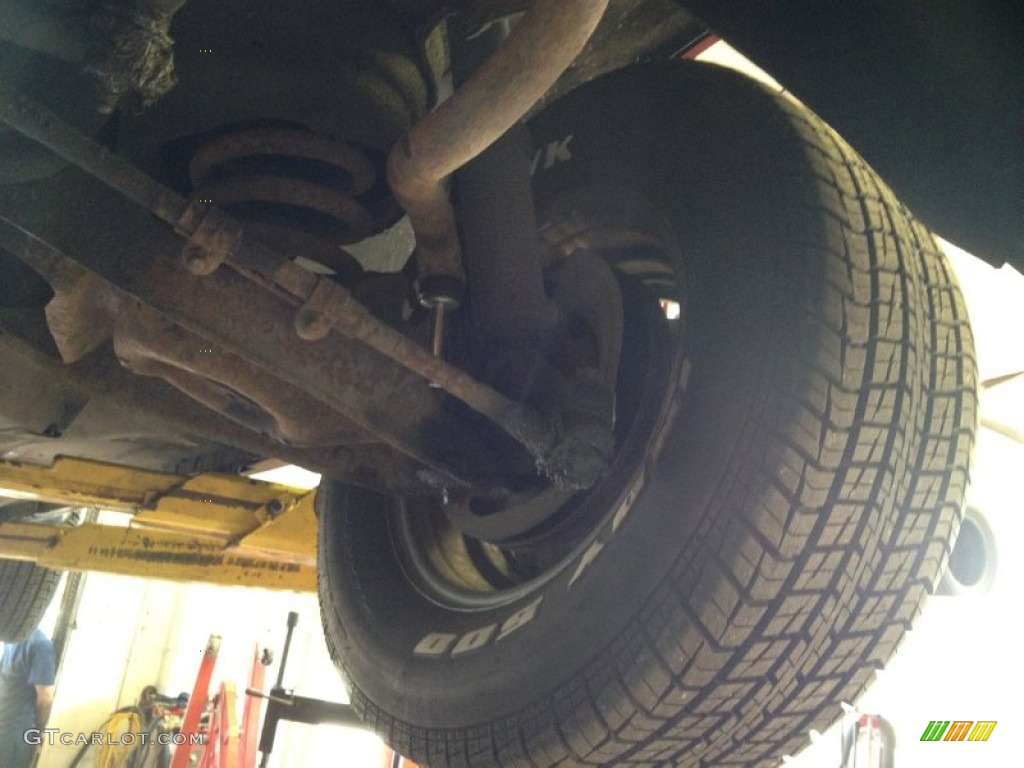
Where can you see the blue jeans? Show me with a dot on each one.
(14, 752)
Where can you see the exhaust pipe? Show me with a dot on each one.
(972, 564)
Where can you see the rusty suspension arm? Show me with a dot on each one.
(215, 238)
(223, 308)
(481, 111)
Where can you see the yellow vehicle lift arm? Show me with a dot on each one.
(219, 529)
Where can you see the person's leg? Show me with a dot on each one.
(14, 752)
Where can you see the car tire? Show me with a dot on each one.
(809, 419)
(26, 591)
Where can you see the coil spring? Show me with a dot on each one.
(299, 191)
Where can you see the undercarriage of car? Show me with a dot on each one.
(607, 358)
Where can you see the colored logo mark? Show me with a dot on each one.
(958, 730)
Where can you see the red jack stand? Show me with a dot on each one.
(247, 748)
(222, 736)
(196, 704)
(230, 743)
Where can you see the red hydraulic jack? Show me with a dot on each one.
(196, 704)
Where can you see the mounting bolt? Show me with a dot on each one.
(196, 260)
(274, 508)
(212, 237)
(312, 321)
(311, 325)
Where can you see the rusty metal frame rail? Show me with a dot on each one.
(218, 529)
(388, 401)
(214, 237)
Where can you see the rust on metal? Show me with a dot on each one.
(212, 238)
(312, 247)
(311, 321)
(38, 123)
(289, 174)
(499, 94)
(352, 319)
(279, 143)
(149, 344)
(387, 400)
(275, 189)
(161, 288)
(376, 465)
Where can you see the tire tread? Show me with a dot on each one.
(25, 593)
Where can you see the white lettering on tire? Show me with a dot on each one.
(437, 644)
(434, 644)
(553, 152)
(518, 619)
(588, 557)
(470, 641)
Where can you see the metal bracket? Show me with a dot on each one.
(312, 321)
(212, 237)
